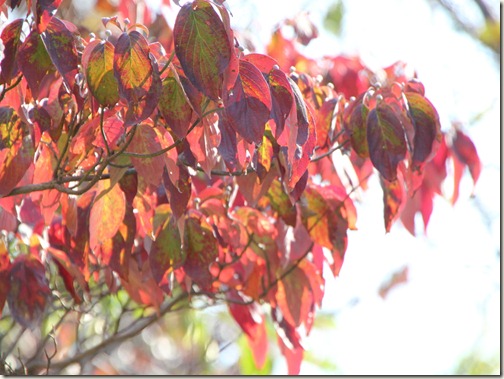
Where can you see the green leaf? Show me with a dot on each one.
(16, 150)
(98, 64)
(202, 46)
(280, 202)
(334, 17)
(174, 105)
(166, 253)
(387, 144)
(354, 122)
(201, 247)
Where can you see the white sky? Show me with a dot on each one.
(450, 305)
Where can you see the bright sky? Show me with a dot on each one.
(450, 305)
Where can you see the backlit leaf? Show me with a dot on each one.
(282, 99)
(140, 284)
(138, 76)
(289, 343)
(392, 201)
(251, 321)
(44, 11)
(387, 144)
(146, 141)
(29, 291)
(166, 253)
(174, 105)
(281, 203)
(427, 127)
(98, 65)
(248, 104)
(11, 40)
(201, 248)
(59, 40)
(4, 273)
(116, 251)
(107, 213)
(34, 61)
(354, 122)
(178, 193)
(466, 153)
(294, 297)
(327, 214)
(69, 272)
(202, 46)
(16, 150)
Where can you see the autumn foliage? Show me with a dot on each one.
(176, 163)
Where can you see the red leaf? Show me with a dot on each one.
(327, 214)
(325, 121)
(289, 343)
(427, 128)
(11, 40)
(98, 65)
(146, 141)
(204, 141)
(4, 274)
(44, 12)
(29, 291)
(294, 297)
(34, 61)
(180, 194)
(8, 221)
(145, 202)
(466, 153)
(202, 46)
(385, 135)
(251, 321)
(60, 43)
(346, 75)
(140, 284)
(248, 104)
(107, 213)
(115, 252)
(228, 146)
(252, 188)
(282, 99)
(422, 201)
(138, 76)
(69, 272)
(280, 88)
(392, 201)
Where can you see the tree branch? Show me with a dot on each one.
(121, 336)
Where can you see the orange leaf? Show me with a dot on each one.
(107, 213)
